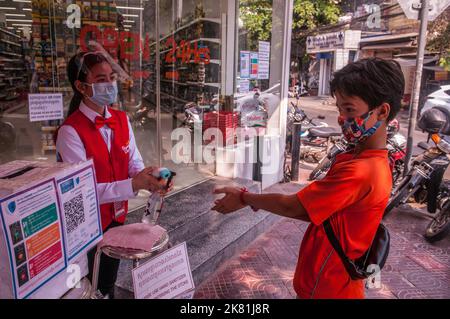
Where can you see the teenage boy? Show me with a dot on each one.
(354, 193)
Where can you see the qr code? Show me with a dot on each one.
(74, 212)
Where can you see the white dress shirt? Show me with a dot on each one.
(71, 150)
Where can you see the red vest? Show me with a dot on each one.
(109, 166)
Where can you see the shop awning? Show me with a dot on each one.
(412, 62)
(435, 68)
(389, 41)
(409, 44)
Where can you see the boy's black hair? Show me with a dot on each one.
(374, 80)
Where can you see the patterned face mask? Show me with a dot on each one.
(354, 129)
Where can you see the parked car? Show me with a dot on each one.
(438, 99)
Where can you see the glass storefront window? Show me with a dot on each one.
(189, 64)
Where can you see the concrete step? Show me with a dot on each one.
(211, 238)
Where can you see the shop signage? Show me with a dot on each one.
(131, 44)
(45, 107)
(264, 60)
(245, 64)
(244, 86)
(32, 225)
(254, 61)
(166, 276)
(77, 194)
(411, 8)
(45, 226)
(185, 52)
(326, 41)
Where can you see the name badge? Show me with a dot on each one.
(119, 209)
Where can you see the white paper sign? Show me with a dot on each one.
(32, 227)
(45, 107)
(264, 60)
(245, 65)
(264, 50)
(166, 276)
(79, 207)
(244, 86)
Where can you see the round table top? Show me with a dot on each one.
(127, 253)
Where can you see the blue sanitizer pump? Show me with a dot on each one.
(156, 200)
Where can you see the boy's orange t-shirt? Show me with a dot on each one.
(354, 194)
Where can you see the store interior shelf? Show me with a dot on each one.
(213, 40)
(10, 42)
(9, 33)
(49, 128)
(188, 25)
(55, 89)
(216, 85)
(214, 61)
(174, 98)
(10, 53)
(174, 82)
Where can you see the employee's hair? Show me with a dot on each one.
(374, 80)
(72, 73)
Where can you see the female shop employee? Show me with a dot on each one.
(94, 130)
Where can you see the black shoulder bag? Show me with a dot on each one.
(375, 255)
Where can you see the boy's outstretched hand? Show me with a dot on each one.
(231, 202)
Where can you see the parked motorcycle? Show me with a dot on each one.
(192, 115)
(316, 137)
(424, 181)
(396, 145)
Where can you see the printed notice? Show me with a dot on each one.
(31, 224)
(167, 276)
(80, 210)
(245, 65)
(45, 107)
(254, 61)
(264, 60)
(244, 86)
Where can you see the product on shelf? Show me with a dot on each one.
(13, 72)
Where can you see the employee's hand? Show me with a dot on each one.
(231, 202)
(145, 180)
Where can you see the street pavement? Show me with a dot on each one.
(265, 268)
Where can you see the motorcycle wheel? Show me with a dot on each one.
(397, 173)
(439, 227)
(401, 194)
(324, 166)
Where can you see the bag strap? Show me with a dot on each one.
(335, 243)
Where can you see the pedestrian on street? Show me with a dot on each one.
(354, 193)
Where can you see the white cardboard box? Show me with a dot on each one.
(49, 219)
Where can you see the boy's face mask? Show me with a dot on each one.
(103, 93)
(355, 130)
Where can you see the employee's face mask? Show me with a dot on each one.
(355, 130)
(104, 93)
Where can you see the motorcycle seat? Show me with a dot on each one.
(325, 132)
(307, 127)
(424, 145)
